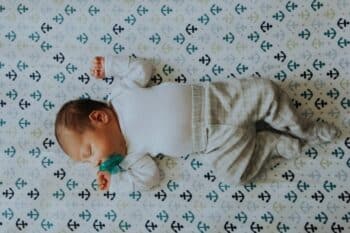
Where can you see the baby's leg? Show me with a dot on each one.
(269, 144)
(270, 103)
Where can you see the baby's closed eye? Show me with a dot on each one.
(87, 153)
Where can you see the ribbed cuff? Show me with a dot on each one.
(199, 137)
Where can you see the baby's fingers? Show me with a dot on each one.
(98, 73)
(98, 67)
(103, 179)
(98, 60)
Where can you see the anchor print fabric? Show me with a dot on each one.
(45, 51)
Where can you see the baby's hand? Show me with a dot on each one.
(98, 67)
(103, 180)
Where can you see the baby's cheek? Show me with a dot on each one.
(108, 181)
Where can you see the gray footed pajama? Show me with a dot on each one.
(224, 125)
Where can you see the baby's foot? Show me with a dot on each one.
(324, 132)
(288, 147)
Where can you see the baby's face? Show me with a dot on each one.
(93, 145)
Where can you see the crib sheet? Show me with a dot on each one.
(45, 51)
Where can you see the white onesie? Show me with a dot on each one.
(153, 119)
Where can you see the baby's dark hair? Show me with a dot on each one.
(74, 115)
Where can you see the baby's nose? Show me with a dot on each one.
(97, 163)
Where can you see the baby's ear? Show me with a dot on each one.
(99, 116)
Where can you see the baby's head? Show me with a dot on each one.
(87, 130)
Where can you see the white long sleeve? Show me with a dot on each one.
(140, 173)
(133, 72)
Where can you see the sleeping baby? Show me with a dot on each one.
(214, 120)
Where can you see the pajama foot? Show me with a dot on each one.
(288, 147)
(324, 132)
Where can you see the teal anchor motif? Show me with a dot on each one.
(2, 122)
(83, 38)
(239, 8)
(281, 227)
(107, 38)
(155, 38)
(23, 123)
(93, 10)
(291, 196)
(131, 19)
(34, 214)
(167, 69)
(279, 16)
(59, 194)
(254, 36)
(331, 33)
(189, 216)
(58, 18)
(163, 216)
(10, 151)
(215, 9)
(342, 42)
(291, 6)
(213, 196)
(85, 215)
(34, 36)
(111, 215)
(202, 227)
(45, 46)
(69, 10)
(195, 164)
(46, 225)
(60, 77)
(204, 19)
(305, 34)
(21, 65)
(11, 36)
(241, 217)
(35, 152)
(229, 37)
(172, 185)
(316, 5)
(180, 38)
(124, 226)
(265, 46)
(20, 183)
(118, 48)
(136, 195)
(191, 48)
(165, 10)
(268, 217)
(2, 8)
(141, 10)
(241, 68)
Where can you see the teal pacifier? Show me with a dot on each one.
(111, 165)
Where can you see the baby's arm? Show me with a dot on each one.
(141, 174)
(134, 72)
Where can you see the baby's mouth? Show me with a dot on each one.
(99, 163)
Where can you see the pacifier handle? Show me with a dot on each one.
(111, 165)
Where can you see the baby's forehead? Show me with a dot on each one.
(68, 135)
(69, 139)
